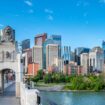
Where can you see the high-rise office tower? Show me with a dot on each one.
(84, 57)
(103, 47)
(72, 56)
(96, 59)
(51, 55)
(66, 54)
(53, 39)
(40, 39)
(37, 55)
(79, 51)
(25, 44)
(60, 65)
(48, 41)
(57, 40)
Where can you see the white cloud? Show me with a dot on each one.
(29, 3)
(1, 25)
(50, 17)
(31, 11)
(48, 11)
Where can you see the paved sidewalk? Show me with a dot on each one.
(8, 84)
(9, 101)
(8, 98)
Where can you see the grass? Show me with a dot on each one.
(42, 84)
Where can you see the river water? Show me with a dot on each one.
(73, 98)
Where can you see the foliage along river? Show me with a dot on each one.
(73, 98)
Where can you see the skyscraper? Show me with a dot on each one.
(40, 39)
(72, 56)
(57, 40)
(67, 54)
(51, 55)
(84, 57)
(96, 59)
(48, 41)
(25, 44)
(79, 51)
(103, 47)
(37, 55)
(53, 39)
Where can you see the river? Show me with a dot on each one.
(73, 98)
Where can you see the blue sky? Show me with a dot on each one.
(80, 22)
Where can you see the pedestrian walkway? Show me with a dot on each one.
(5, 100)
(9, 98)
(8, 84)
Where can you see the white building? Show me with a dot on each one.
(84, 58)
(37, 55)
(61, 65)
(96, 59)
(51, 55)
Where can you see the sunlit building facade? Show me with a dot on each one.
(37, 55)
(96, 60)
(84, 57)
(103, 47)
(79, 51)
(40, 39)
(51, 55)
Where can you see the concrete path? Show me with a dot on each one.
(10, 90)
(8, 84)
(9, 101)
(8, 98)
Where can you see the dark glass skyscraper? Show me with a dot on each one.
(25, 44)
(67, 54)
(103, 47)
(79, 51)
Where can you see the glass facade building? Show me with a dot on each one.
(103, 47)
(53, 39)
(25, 44)
(79, 51)
(48, 41)
(67, 54)
(57, 40)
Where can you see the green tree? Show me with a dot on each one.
(40, 74)
(47, 78)
(35, 79)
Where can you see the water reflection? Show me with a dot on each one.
(73, 98)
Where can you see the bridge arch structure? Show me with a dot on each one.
(10, 58)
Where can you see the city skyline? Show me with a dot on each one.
(79, 22)
(52, 52)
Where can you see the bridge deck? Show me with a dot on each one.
(8, 98)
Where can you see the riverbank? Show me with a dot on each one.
(50, 88)
(60, 88)
(60, 82)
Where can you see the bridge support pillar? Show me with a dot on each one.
(19, 75)
(1, 82)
